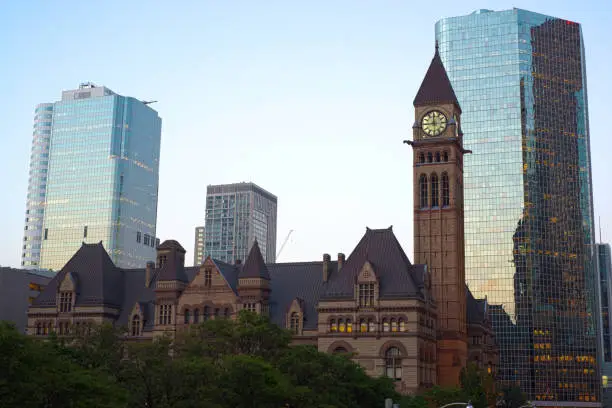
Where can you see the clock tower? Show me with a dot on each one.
(438, 213)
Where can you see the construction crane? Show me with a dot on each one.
(284, 243)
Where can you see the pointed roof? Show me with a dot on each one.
(436, 88)
(397, 276)
(254, 266)
(100, 282)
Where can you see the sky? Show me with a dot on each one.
(308, 99)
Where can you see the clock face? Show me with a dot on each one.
(434, 123)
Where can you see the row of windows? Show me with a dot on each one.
(436, 157)
(206, 314)
(63, 328)
(433, 200)
(367, 325)
(147, 239)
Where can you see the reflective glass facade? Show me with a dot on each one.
(37, 186)
(521, 82)
(605, 276)
(236, 215)
(102, 178)
(198, 247)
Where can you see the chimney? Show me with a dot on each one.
(326, 261)
(149, 273)
(238, 262)
(341, 259)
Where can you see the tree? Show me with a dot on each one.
(512, 397)
(332, 380)
(39, 374)
(478, 386)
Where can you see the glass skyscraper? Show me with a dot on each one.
(605, 276)
(237, 215)
(93, 177)
(521, 81)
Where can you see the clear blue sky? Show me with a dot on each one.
(309, 99)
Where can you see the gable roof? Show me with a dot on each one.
(436, 88)
(381, 248)
(254, 266)
(99, 281)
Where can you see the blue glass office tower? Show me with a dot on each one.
(102, 175)
(605, 276)
(521, 81)
(37, 186)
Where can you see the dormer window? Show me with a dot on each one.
(294, 323)
(161, 261)
(65, 303)
(136, 326)
(366, 294)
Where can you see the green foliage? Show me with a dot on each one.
(220, 363)
(513, 397)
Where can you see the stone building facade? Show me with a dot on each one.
(375, 303)
(408, 321)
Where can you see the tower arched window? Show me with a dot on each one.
(445, 190)
(421, 157)
(393, 363)
(437, 157)
(423, 190)
(445, 156)
(187, 316)
(136, 325)
(294, 323)
(429, 157)
(435, 200)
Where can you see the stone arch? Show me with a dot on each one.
(340, 344)
(392, 343)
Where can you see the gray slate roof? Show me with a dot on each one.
(100, 282)
(397, 276)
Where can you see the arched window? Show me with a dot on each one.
(423, 190)
(349, 326)
(435, 202)
(38, 328)
(136, 325)
(429, 157)
(341, 326)
(421, 157)
(437, 157)
(393, 325)
(294, 323)
(196, 316)
(340, 350)
(402, 325)
(206, 313)
(385, 325)
(371, 325)
(445, 156)
(187, 316)
(226, 312)
(445, 191)
(333, 327)
(363, 326)
(393, 363)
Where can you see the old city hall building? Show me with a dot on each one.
(409, 321)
